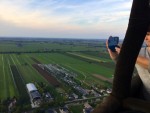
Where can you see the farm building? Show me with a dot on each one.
(35, 96)
(87, 108)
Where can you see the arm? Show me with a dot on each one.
(142, 61)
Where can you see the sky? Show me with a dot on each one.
(92, 19)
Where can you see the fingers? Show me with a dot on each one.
(117, 49)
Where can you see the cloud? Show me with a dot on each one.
(64, 15)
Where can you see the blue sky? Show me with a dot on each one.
(64, 18)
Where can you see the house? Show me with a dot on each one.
(64, 110)
(87, 108)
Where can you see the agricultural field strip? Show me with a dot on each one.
(87, 76)
(48, 60)
(43, 57)
(54, 58)
(34, 72)
(77, 71)
(29, 61)
(17, 60)
(12, 77)
(5, 91)
(31, 67)
(86, 57)
(8, 79)
(17, 70)
(68, 67)
(28, 69)
(81, 72)
(2, 81)
(91, 69)
(99, 57)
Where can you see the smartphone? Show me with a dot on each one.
(112, 43)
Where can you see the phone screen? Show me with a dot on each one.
(113, 42)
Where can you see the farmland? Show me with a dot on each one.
(19, 59)
(41, 45)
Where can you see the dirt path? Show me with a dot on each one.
(86, 57)
(103, 78)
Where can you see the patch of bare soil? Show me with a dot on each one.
(103, 78)
(52, 80)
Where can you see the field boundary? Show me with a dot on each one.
(103, 78)
(86, 57)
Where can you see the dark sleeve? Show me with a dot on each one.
(136, 85)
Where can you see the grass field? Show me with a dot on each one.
(8, 88)
(86, 58)
(27, 74)
(24, 46)
(77, 109)
(23, 63)
(98, 56)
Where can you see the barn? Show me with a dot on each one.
(35, 96)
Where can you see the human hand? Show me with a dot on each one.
(117, 50)
(113, 55)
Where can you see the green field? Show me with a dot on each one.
(84, 58)
(48, 45)
(23, 62)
